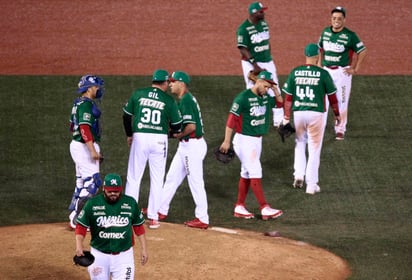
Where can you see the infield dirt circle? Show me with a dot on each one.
(134, 38)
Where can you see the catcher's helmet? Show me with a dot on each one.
(90, 80)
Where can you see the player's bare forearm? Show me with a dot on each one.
(144, 256)
(93, 153)
(361, 57)
(224, 147)
(79, 244)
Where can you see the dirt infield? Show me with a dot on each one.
(134, 38)
(175, 252)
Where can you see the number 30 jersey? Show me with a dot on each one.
(309, 85)
(152, 110)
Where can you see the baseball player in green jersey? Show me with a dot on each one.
(253, 42)
(188, 160)
(148, 116)
(305, 92)
(111, 217)
(249, 121)
(338, 44)
(84, 147)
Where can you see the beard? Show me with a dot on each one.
(112, 198)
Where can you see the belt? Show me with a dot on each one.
(334, 67)
(187, 140)
(111, 253)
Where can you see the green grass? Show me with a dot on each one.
(363, 213)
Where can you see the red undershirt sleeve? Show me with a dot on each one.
(86, 133)
(334, 103)
(231, 121)
(287, 106)
(139, 230)
(81, 230)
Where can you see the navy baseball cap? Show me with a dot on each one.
(339, 9)
(256, 7)
(113, 182)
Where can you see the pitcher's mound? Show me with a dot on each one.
(175, 252)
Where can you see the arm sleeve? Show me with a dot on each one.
(139, 230)
(334, 103)
(231, 121)
(287, 106)
(81, 230)
(127, 124)
(86, 133)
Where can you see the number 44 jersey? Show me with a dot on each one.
(152, 110)
(309, 85)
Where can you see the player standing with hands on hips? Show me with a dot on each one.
(249, 121)
(253, 42)
(188, 160)
(84, 147)
(338, 44)
(305, 92)
(148, 116)
(111, 217)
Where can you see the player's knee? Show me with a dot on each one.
(92, 184)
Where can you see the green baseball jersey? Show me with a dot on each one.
(190, 110)
(85, 111)
(256, 38)
(111, 225)
(309, 84)
(339, 47)
(254, 112)
(152, 110)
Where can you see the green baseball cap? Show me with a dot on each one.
(256, 7)
(160, 75)
(180, 76)
(339, 9)
(311, 50)
(267, 76)
(113, 182)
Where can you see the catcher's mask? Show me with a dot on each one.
(89, 81)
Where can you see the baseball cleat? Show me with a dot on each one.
(297, 184)
(161, 216)
(154, 224)
(339, 136)
(144, 211)
(312, 189)
(241, 212)
(270, 213)
(196, 223)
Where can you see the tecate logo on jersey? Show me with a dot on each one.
(112, 221)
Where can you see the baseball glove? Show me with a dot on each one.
(224, 157)
(85, 260)
(252, 76)
(285, 131)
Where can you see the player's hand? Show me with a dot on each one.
(129, 141)
(224, 147)
(144, 258)
(95, 155)
(337, 120)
